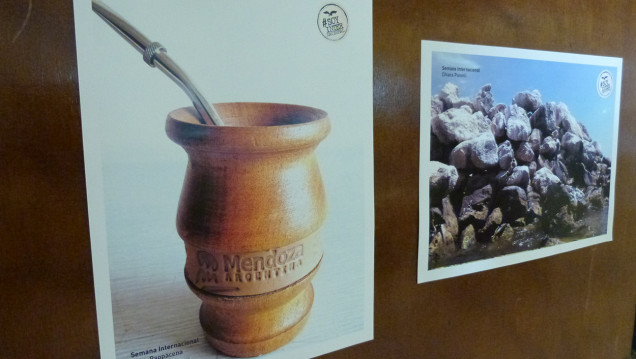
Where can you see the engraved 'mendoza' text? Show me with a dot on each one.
(226, 268)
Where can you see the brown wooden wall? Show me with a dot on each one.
(575, 305)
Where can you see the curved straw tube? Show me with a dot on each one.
(155, 55)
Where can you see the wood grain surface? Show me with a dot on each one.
(575, 305)
(47, 306)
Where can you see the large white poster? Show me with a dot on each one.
(517, 155)
(315, 59)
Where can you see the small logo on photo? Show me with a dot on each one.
(332, 22)
(605, 84)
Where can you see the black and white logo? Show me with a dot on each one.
(605, 84)
(332, 22)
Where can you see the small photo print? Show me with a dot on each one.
(517, 155)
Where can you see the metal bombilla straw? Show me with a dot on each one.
(155, 55)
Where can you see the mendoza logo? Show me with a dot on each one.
(223, 268)
(332, 22)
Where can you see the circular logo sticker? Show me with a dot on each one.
(605, 84)
(332, 22)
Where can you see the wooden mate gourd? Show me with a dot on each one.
(250, 214)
